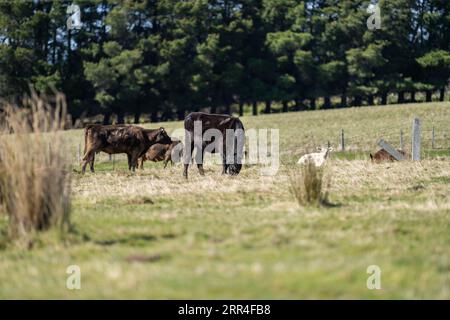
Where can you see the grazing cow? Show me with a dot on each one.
(383, 156)
(221, 123)
(317, 158)
(161, 152)
(132, 140)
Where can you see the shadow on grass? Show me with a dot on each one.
(140, 258)
(130, 240)
(328, 204)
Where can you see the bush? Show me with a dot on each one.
(307, 184)
(34, 172)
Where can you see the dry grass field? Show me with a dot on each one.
(152, 234)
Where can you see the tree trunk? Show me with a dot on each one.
(327, 103)
(298, 105)
(428, 95)
(241, 109)
(54, 47)
(73, 122)
(413, 96)
(154, 116)
(401, 97)
(357, 101)
(442, 94)
(137, 117)
(213, 109)
(228, 108)
(268, 106)
(167, 116)
(384, 96)
(312, 104)
(302, 105)
(285, 106)
(343, 100)
(106, 118)
(69, 41)
(255, 108)
(120, 117)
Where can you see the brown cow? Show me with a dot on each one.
(220, 122)
(383, 156)
(161, 152)
(132, 140)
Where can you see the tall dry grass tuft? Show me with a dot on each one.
(308, 185)
(34, 171)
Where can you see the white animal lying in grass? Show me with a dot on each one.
(317, 158)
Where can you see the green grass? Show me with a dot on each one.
(154, 235)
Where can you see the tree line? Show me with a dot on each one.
(165, 58)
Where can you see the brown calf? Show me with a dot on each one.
(383, 156)
(132, 140)
(161, 152)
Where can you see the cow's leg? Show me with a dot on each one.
(185, 170)
(187, 157)
(91, 163)
(224, 164)
(88, 157)
(129, 161)
(200, 169)
(167, 158)
(200, 165)
(83, 166)
(141, 163)
(134, 160)
(133, 163)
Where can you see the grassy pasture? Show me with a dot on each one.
(154, 235)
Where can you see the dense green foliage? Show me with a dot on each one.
(165, 58)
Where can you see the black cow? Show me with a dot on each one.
(222, 123)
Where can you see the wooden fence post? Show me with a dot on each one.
(342, 140)
(415, 153)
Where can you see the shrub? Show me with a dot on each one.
(307, 184)
(34, 171)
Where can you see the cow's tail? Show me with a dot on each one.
(86, 133)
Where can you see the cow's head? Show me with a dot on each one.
(162, 136)
(238, 150)
(234, 169)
